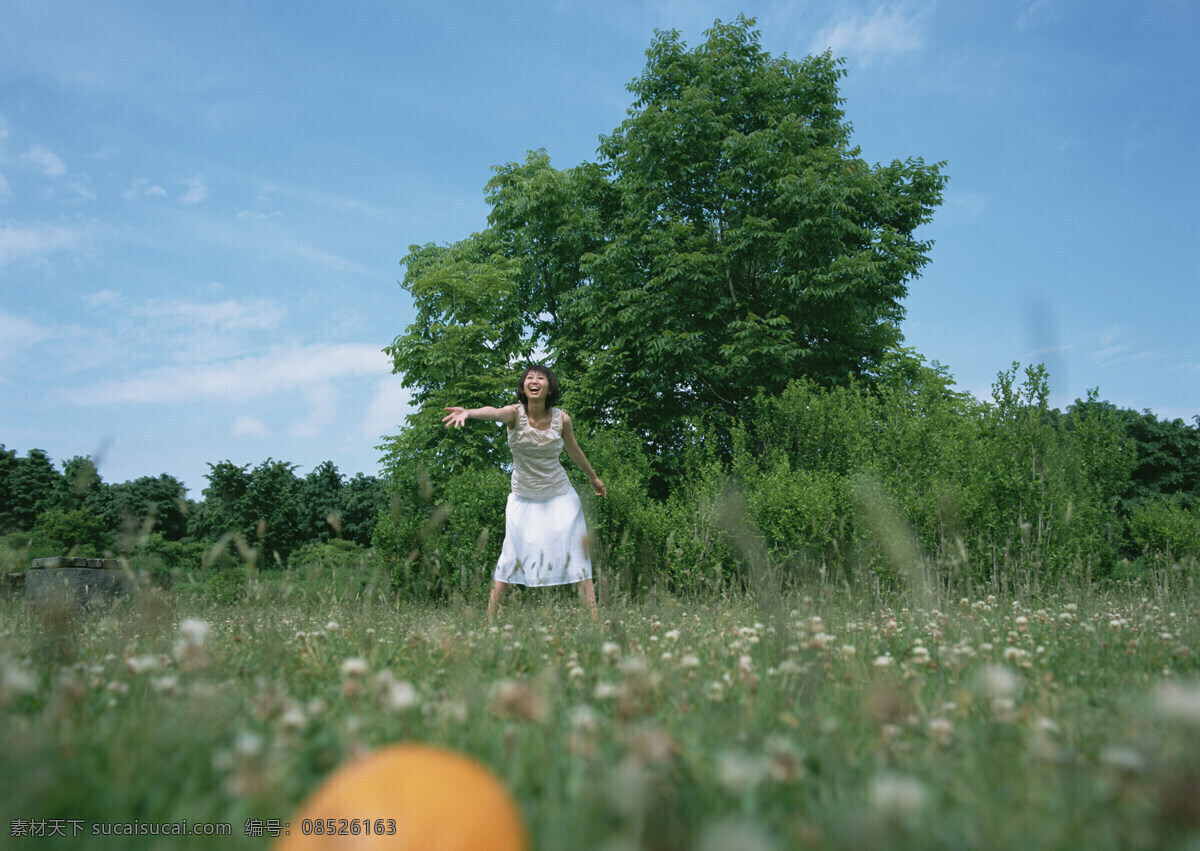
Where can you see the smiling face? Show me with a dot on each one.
(535, 385)
(538, 383)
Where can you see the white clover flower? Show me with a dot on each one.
(897, 797)
(741, 772)
(583, 717)
(142, 664)
(884, 661)
(611, 651)
(293, 718)
(355, 668)
(997, 681)
(194, 631)
(15, 681)
(940, 728)
(690, 660)
(1179, 701)
(606, 690)
(332, 626)
(399, 696)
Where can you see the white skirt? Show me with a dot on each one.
(544, 541)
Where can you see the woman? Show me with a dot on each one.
(545, 535)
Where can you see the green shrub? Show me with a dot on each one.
(1164, 527)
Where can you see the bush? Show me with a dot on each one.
(1164, 527)
(334, 554)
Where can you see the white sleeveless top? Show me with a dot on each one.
(537, 472)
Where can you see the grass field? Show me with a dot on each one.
(818, 720)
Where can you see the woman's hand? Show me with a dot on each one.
(457, 417)
(598, 486)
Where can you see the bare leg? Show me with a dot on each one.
(587, 592)
(498, 589)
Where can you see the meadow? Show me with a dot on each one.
(824, 717)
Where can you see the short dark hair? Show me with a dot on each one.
(552, 391)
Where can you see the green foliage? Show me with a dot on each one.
(1165, 527)
(444, 541)
(150, 503)
(77, 532)
(729, 241)
(752, 244)
(30, 485)
(1168, 459)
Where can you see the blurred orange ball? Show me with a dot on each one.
(408, 797)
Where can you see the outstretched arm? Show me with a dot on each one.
(458, 416)
(576, 455)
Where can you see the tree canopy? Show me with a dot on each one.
(729, 240)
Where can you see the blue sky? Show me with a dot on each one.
(203, 206)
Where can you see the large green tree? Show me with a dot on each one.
(730, 239)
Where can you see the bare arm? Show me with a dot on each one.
(576, 455)
(458, 416)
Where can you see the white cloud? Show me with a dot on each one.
(23, 242)
(227, 315)
(248, 426)
(884, 34)
(45, 161)
(103, 297)
(1036, 13)
(17, 336)
(322, 410)
(290, 370)
(142, 187)
(197, 191)
(388, 408)
(959, 207)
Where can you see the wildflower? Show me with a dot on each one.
(650, 744)
(605, 691)
(355, 668)
(784, 765)
(1004, 709)
(14, 681)
(821, 640)
(517, 700)
(940, 729)
(884, 661)
(740, 772)
(690, 660)
(166, 684)
(1178, 701)
(332, 626)
(583, 717)
(398, 696)
(897, 797)
(998, 681)
(142, 664)
(611, 651)
(293, 719)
